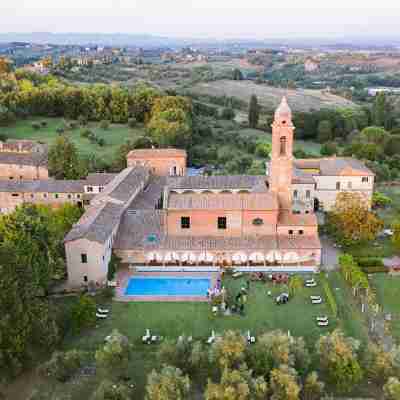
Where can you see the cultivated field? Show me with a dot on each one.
(270, 97)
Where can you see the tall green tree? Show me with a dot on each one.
(379, 109)
(64, 162)
(254, 111)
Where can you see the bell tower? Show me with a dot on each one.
(281, 166)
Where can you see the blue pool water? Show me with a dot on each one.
(167, 286)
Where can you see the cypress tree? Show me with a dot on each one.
(254, 112)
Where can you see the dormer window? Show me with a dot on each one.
(283, 146)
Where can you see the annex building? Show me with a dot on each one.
(152, 215)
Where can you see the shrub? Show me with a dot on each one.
(329, 149)
(82, 120)
(101, 142)
(36, 126)
(227, 113)
(329, 295)
(73, 125)
(60, 130)
(83, 313)
(105, 124)
(374, 270)
(62, 365)
(369, 261)
(86, 133)
(132, 122)
(43, 124)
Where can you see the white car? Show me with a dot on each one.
(310, 283)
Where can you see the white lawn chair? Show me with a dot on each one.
(211, 339)
(214, 310)
(322, 319)
(103, 310)
(323, 323)
(250, 339)
(146, 338)
(316, 301)
(310, 283)
(315, 297)
(101, 316)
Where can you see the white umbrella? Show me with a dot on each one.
(184, 257)
(175, 256)
(291, 256)
(257, 257)
(159, 257)
(168, 257)
(209, 257)
(150, 257)
(192, 257)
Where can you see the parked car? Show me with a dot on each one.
(283, 298)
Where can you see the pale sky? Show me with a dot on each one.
(205, 18)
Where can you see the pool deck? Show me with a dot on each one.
(125, 274)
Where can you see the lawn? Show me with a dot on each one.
(116, 135)
(173, 319)
(387, 289)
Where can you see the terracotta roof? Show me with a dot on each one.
(249, 201)
(45, 186)
(99, 179)
(300, 176)
(334, 166)
(216, 182)
(97, 223)
(283, 110)
(288, 218)
(149, 197)
(123, 186)
(156, 153)
(34, 159)
(22, 145)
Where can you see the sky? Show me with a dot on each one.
(205, 18)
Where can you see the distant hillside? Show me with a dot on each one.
(270, 97)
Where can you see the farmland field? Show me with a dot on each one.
(269, 97)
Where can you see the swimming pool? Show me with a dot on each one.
(167, 286)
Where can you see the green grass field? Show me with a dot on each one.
(388, 293)
(174, 319)
(116, 135)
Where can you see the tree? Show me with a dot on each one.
(7, 117)
(296, 283)
(83, 313)
(338, 360)
(324, 131)
(176, 354)
(392, 146)
(109, 390)
(375, 134)
(119, 106)
(237, 384)
(27, 321)
(254, 112)
(171, 121)
(5, 65)
(313, 388)
(380, 200)
(113, 358)
(379, 109)
(229, 351)
(380, 364)
(168, 384)
(64, 162)
(391, 389)
(63, 365)
(228, 113)
(263, 149)
(351, 221)
(276, 348)
(329, 149)
(237, 74)
(284, 384)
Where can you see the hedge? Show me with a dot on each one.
(369, 261)
(374, 269)
(329, 295)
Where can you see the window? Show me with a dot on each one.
(45, 195)
(295, 194)
(78, 196)
(89, 189)
(337, 185)
(84, 258)
(258, 221)
(21, 177)
(349, 185)
(32, 195)
(69, 196)
(364, 179)
(56, 196)
(283, 146)
(221, 222)
(15, 195)
(101, 188)
(185, 222)
(308, 194)
(85, 278)
(301, 232)
(290, 232)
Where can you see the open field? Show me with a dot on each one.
(269, 97)
(116, 135)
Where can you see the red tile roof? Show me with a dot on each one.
(157, 153)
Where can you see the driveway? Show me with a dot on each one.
(330, 254)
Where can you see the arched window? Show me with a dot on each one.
(283, 146)
(295, 193)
